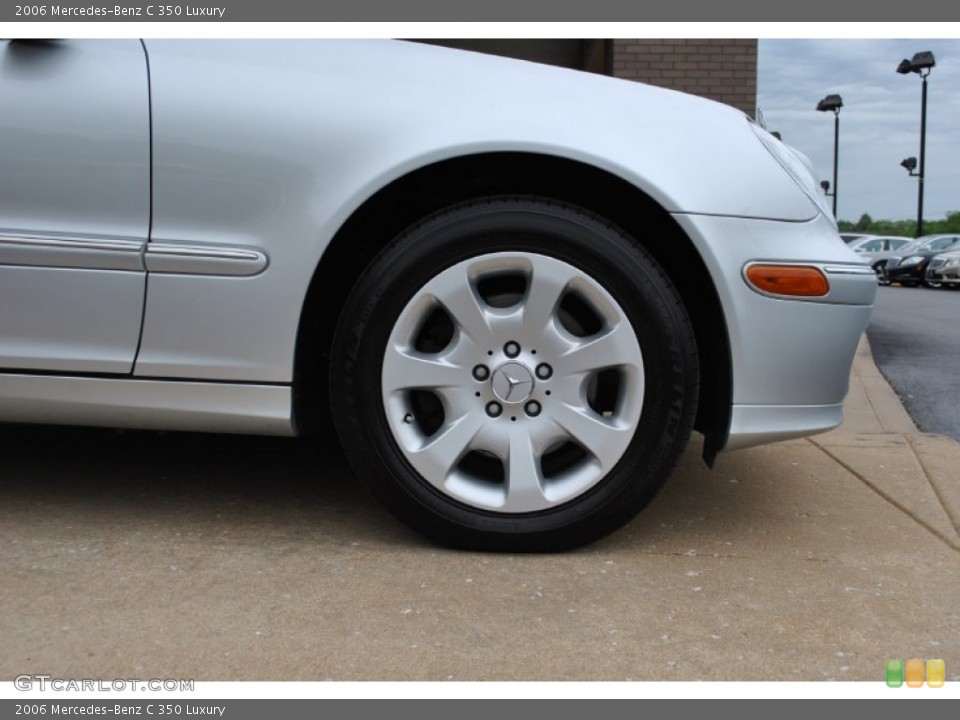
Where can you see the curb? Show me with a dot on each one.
(882, 398)
(879, 443)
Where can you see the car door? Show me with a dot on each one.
(74, 204)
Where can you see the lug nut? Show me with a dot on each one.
(481, 372)
(511, 349)
(532, 408)
(544, 371)
(494, 409)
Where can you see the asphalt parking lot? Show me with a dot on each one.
(227, 558)
(915, 335)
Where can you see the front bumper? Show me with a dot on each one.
(946, 274)
(907, 273)
(790, 357)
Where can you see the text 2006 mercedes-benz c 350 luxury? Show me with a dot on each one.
(514, 290)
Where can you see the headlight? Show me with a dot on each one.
(954, 262)
(798, 166)
(913, 260)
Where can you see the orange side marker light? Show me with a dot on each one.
(788, 280)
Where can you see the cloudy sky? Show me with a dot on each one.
(879, 123)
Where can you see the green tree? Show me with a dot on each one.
(905, 228)
(952, 223)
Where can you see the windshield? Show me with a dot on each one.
(935, 243)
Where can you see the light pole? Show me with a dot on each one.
(833, 103)
(921, 64)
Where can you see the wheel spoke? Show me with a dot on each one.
(524, 488)
(618, 346)
(602, 438)
(456, 293)
(407, 369)
(437, 458)
(546, 286)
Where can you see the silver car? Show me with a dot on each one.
(873, 248)
(944, 269)
(850, 238)
(514, 289)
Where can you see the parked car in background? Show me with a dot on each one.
(944, 269)
(852, 237)
(872, 248)
(909, 266)
(513, 289)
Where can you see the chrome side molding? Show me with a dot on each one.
(72, 252)
(203, 260)
(130, 255)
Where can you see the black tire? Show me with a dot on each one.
(542, 229)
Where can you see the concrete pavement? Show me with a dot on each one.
(917, 473)
(137, 555)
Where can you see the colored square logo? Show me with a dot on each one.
(936, 673)
(894, 673)
(914, 673)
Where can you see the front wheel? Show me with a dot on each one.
(880, 269)
(514, 374)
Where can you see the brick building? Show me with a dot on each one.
(722, 70)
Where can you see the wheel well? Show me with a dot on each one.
(412, 197)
